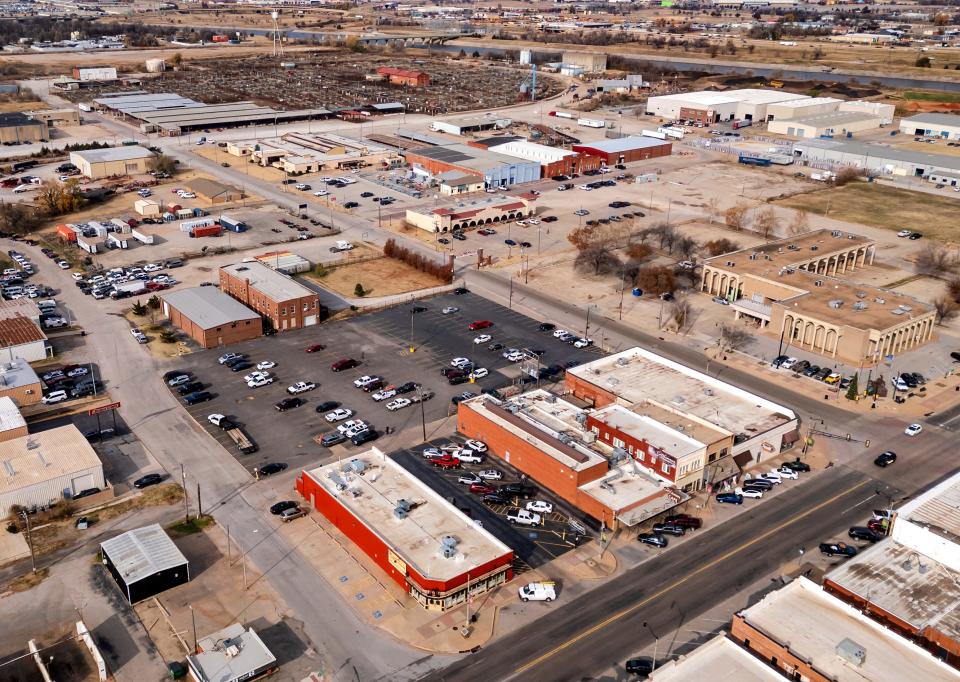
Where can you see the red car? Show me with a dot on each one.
(479, 324)
(876, 525)
(345, 363)
(482, 489)
(315, 348)
(446, 462)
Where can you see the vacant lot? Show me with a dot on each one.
(891, 208)
(381, 277)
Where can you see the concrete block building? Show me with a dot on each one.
(831, 124)
(625, 149)
(553, 160)
(279, 298)
(16, 127)
(799, 289)
(946, 126)
(112, 162)
(211, 317)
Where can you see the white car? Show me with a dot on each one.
(321, 193)
(469, 479)
(756, 494)
(773, 477)
(788, 363)
(398, 404)
(216, 418)
(533, 221)
(301, 387)
(450, 310)
(360, 427)
(557, 333)
(365, 379)
(257, 383)
(515, 356)
(545, 590)
(483, 338)
(54, 397)
(459, 362)
(383, 394)
(266, 364)
(226, 357)
(522, 517)
(432, 452)
(139, 336)
(786, 472)
(151, 267)
(468, 456)
(253, 376)
(479, 373)
(477, 445)
(77, 276)
(338, 414)
(904, 233)
(179, 380)
(582, 343)
(63, 265)
(913, 429)
(490, 475)
(539, 506)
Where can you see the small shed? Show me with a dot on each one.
(144, 562)
(146, 207)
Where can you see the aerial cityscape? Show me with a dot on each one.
(465, 342)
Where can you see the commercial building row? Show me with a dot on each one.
(470, 214)
(878, 159)
(297, 153)
(802, 290)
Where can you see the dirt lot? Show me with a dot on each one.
(891, 208)
(381, 277)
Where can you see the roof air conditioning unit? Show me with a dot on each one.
(859, 305)
(851, 652)
(448, 545)
(589, 437)
(879, 300)
(818, 283)
(836, 303)
(357, 466)
(861, 294)
(402, 510)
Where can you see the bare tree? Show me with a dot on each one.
(665, 234)
(799, 224)
(845, 175)
(766, 221)
(953, 288)
(716, 247)
(736, 216)
(946, 309)
(685, 247)
(935, 260)
(680, 312)
(734, 338)
(597, 260)
(713, 208)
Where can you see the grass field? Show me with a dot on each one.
(931, 96)
(380, 277)
(891, 208)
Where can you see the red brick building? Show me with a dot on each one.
(553, 160)
(286, 303)
(421, 541)
(407, 77)
(625, 149)
(210, 317)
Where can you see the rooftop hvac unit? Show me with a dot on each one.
(551, 398)
(859, 305)
(581, 418)
(814, 247)
(730, 263)
(232, 650)
(818, 283)
(448, 545)
(879, 300)
(836, 303)
(357, 466)
(622, 362)
(589, 437)
(905, 308)
(619, 455)
(851, 652)
(753, 256)
(402, 510)
(861, 294)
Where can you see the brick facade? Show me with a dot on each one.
(776, 654)
(628, 156)
(30, 394)
(284, 315)
(660, 462)
(224, 335)
(595, 395)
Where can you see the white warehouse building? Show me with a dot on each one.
(802, 107)
(531, 151)
(705, 106)
(43, 468)
(946, 126)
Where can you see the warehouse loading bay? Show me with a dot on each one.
(333, 80)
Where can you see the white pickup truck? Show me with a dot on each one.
(341, 245)
(522, 517)
(301, 387)
(545, 590)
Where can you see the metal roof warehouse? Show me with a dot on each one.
(144, 562)
(208, 307)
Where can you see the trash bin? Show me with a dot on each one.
(637, 291)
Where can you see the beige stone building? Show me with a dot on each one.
(112, 162)
(803, 290)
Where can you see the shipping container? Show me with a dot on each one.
(675, 133)
(68, 232)
(206, 231)
(121, 226)
(141, 235)
(232, 224)
(591, 123)
(561, 114)
(653, 133)
(188, 225)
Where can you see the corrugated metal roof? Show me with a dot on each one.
(933, 119)
(208, 307)
(18, 330)
(10, 417)
(877, 153)
(43, 456)
(621, 144)
(142, 552)
(114, 154)
(19, 306)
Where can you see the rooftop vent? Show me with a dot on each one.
(622, 362)
(818, 283)
(879, 300)
(581, 418)
(905, 308)
(448, 545)
(836, 233)
(851, 652)
(242, 268)
(861, 294)
(619, 455)
(357, 466)
(814, 247)
(708, 391)
(859, 305)
(730, 263)
(402, 510)
(753, 256)
(836, 303)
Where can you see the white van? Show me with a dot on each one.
(47, 305)
(344, 245)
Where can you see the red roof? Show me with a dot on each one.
(394, 71)
(469, 213)
(15, 331)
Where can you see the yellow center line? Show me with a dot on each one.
(626, 612)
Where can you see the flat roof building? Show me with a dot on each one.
(553, 160)
(12, 423)
(876, 158)
(808, 633)
(112, 162)
(798, 289)
(498, 170)
(625, 149)
(946, 126)
(467, 215)
(144, 562)
(44, 468)
(469, 124)
(210, 317)
(422, 541)
(830, 124)
(706, 106)
(20, 128)
(21, 337)
(230, 654)
(282, 300)
(720, 659)
(18, 381)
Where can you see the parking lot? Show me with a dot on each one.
(380, 342)
(532, 545)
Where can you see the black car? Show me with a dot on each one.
(94, 434)
(654, 539)
(278, 508)
(192, 387)
(460, 291)
(457, 379)
(669, 529)
(288, 404)
(240, 366)
(450, 371)
(418, 309)
(366, 195)
(757, 483)
(149, 479)
(841, 548)
(684, 521)
(407, 387)
(797, 465)
(919, 378)
(351, 204)
(864, 533)
(546, 326)
(460, 236)
(495, 498)
(809, 370)
(198, 397)
(233, 361)
(365, 437)
(466, 395)
(823, 373)
(328, 405)
(916, 235)
(955, 356)
(495, 347)
(332, 438)
(86, 493)
(908, 379)
(519, 490)
(638, 666)
(271, 468)
(885, 459)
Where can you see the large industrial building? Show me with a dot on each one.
(831, 124)
(876, 158)
(946, 126)
(591, 62)
(625, 149)
(553, 160)
(210, 317)
(144, 562)
(20, 128)
(97, 164)
(283, 301)
(47, 467)
(545, 437)
(478, 213)
(463, 125)
(497, 170)
(297, 153)
(911, 582)
(439, 556)
(797, 290)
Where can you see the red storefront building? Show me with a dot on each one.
(421, 541)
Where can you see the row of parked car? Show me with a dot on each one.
(69, 381)
(756, 486)
(808, 369)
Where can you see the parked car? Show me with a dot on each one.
(684, 521)
(271, 468)
(885, 459)
(545, 590)
(490, 475)
(54, 397)
(729, 498)
(332, 438)
(364, 436)
(519, 490)
(148, 480)
(638, 666)
(338, 415)
(288, 515)
(301, 387)
(288, 404)
(279, 507)
(539, 506)
(913, 429)
(841, 548)
(345, 363)
(670, 529)
(198, 397)
(479, 324)
(864, 533)
(797, 465)
(522, 517)
(327, 405)
(654, 539)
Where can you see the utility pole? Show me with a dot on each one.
(623, 282)
(199, 502)
(33, 558)
(586, 328)
(193, 620)
(423, 416)
(510, 305)
(183, 484)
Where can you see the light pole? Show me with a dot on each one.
(656, 643)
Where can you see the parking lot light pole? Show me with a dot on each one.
(423, 416)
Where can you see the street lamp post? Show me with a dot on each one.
(656, 643)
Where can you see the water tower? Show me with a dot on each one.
(277, 44)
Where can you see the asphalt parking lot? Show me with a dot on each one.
(533, 546)
(380, 341)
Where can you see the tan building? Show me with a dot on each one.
(797, 289)
(488, 211)
(210, 317)
(21, 128)
(831, 124)
(213, 191)
(276, 296)
(12, 423)
(112, 162)
(592, 62)
(53, 117)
